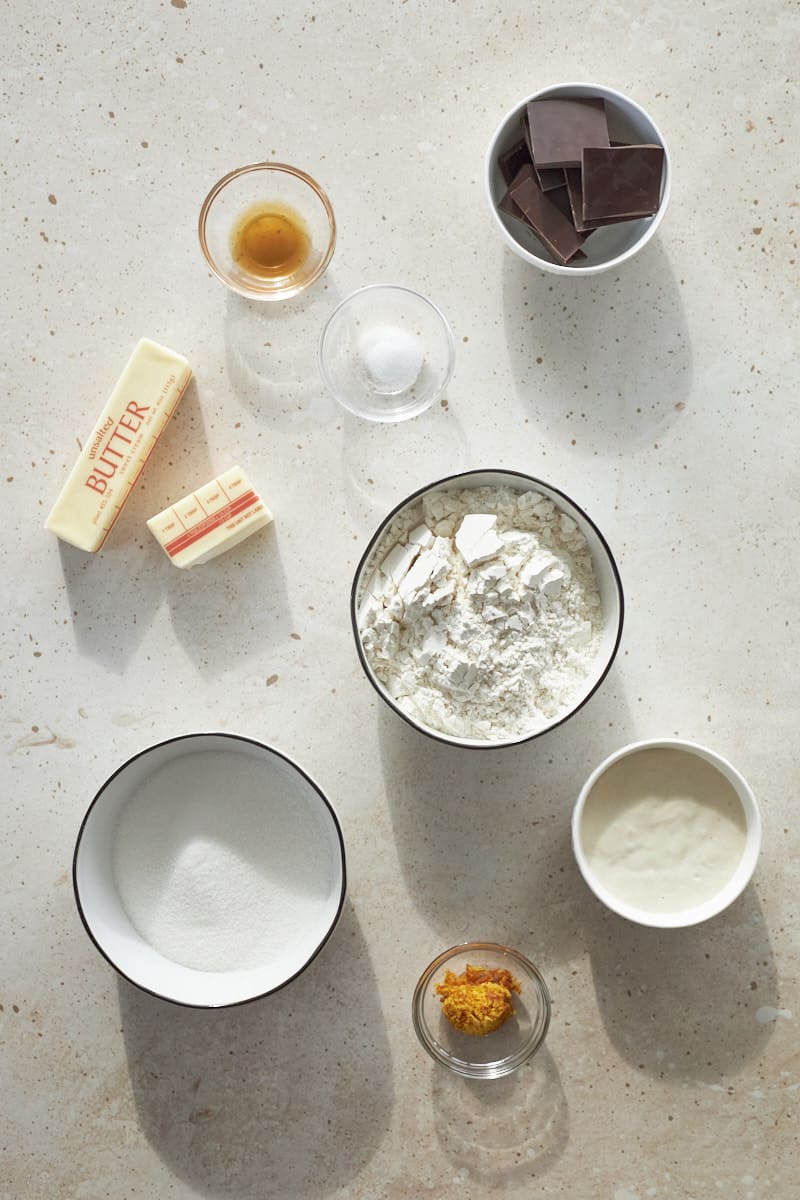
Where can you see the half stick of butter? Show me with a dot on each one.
(146, 395)
(211, 520)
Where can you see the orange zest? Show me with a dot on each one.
(478, 1001)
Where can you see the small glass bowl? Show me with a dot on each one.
(368, 349)
(497, 1053)
(265, 183)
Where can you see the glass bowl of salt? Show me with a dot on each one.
(387, 353)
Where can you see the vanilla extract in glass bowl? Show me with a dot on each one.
(270, 241)
(267, 230)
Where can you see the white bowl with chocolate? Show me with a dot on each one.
(578, 178)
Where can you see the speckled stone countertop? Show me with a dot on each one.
(663, 398)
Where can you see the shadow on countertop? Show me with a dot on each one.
(382, 463)
(484, 842)
(499, 1128)
(289, 1096)
(233, 608)
(483, 836)
(271, 355)
(682, 1003)
(114, 594)
(606, 360)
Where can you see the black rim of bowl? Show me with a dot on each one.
(373, 541)
(186, 737)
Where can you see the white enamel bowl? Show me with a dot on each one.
(739, 877)
(611, 246)
(605, 569)
(104, 916)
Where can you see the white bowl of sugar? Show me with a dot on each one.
(209, 870)
(666, 833)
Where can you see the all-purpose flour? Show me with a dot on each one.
(214, 871)
(482, 617)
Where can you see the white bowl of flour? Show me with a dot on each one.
(209, 870)
(487, 608)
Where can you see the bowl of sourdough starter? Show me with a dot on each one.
(209, 870)
(487, 608)
(666, 833)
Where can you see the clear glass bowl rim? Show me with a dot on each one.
(479, 1070)
(387, 287)
(221, 184)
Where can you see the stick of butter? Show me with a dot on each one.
(211, 520)
(145, 397)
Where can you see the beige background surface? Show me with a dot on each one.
(662, 398)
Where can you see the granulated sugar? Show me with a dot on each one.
(215, 871)
(482, 617)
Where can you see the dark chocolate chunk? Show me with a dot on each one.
(550, 226)
(557, 196)
(510, 162)
(549, 178)
(574, 177)
(508, 204)
(560, 197)
(623, 181)
(560, 129)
